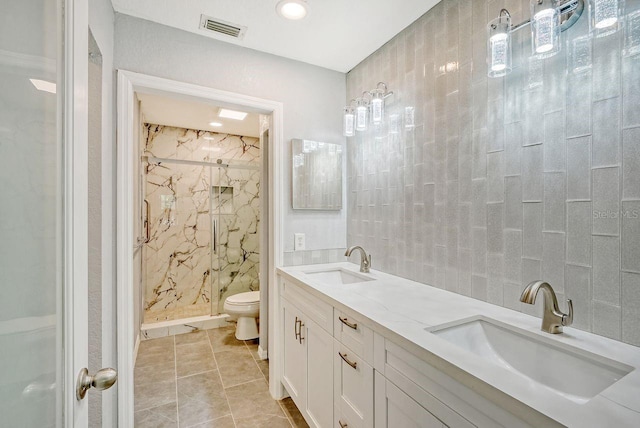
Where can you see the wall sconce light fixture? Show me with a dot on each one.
(548, 19)
(368, 107)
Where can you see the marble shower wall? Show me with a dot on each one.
(508, 180)
(185, 275)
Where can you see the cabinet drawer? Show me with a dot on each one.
(318, 310)
(349, 330)
(352, 387)
(395, 409)
(432, 388)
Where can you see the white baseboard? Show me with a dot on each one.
(262, 353)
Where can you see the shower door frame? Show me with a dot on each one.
(128, 85)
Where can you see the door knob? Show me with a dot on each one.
(103, 379)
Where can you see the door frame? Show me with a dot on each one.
(73, 115)
(128, 84)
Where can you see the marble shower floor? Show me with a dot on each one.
(206, 379)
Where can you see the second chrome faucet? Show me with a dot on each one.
(552, 319)
(365, 260)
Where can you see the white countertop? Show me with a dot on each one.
(401, 309)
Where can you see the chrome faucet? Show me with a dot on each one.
(365, 261)
(552, 318)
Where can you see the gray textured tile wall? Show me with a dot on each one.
(504, 181)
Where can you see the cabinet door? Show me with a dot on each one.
(395, 409)
(352, 387)
(294, 361)
(319, 345)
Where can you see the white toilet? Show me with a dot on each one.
(246, 308)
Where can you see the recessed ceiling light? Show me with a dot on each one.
(292, 9)
(215, 124)
(43, 85)
(232, 114)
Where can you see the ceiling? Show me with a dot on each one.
(336, 34)
(194, 115)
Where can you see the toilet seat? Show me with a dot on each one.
(244, 298)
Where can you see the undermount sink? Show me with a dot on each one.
(338, 276)
(575, 374)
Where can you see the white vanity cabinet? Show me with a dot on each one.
(352, 372)
(307, 357)
(343, 374)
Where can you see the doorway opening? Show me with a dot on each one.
(196, 216)
(199, 193)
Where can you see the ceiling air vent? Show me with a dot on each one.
(222, 27)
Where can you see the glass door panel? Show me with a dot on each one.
(177, 258)
(236, 209)
(31, 254)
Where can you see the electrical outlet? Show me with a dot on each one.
(298, 243)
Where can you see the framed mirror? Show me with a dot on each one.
(317, 175)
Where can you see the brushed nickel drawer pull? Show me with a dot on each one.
(346, 322)
(296, 328)
(353, 364)
(342, 424)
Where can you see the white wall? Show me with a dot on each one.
(101, 23)
(313, 97)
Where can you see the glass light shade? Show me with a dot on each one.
(499, 46)
(348, 122)
(362, 115)
(545, 28)
(377, 107)
(605, 16)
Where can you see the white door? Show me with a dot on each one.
(43, 216)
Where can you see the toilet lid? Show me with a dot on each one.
(244, 298)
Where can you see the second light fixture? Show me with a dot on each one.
(365, 110)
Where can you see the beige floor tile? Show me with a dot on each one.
(263, 365)
(224, 339)
(164, 416)
(237, 367)
(151, 344)
(293, 414)
(193, 337)
(263, 421)
(156, 352)
(195, 357)
(154, 373)
(154, 394)
(252, 400)
(223, 422)
(201, 398)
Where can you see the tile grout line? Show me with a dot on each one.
(233, 419)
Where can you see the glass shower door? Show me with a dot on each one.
(177, 257)
(235, 211)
